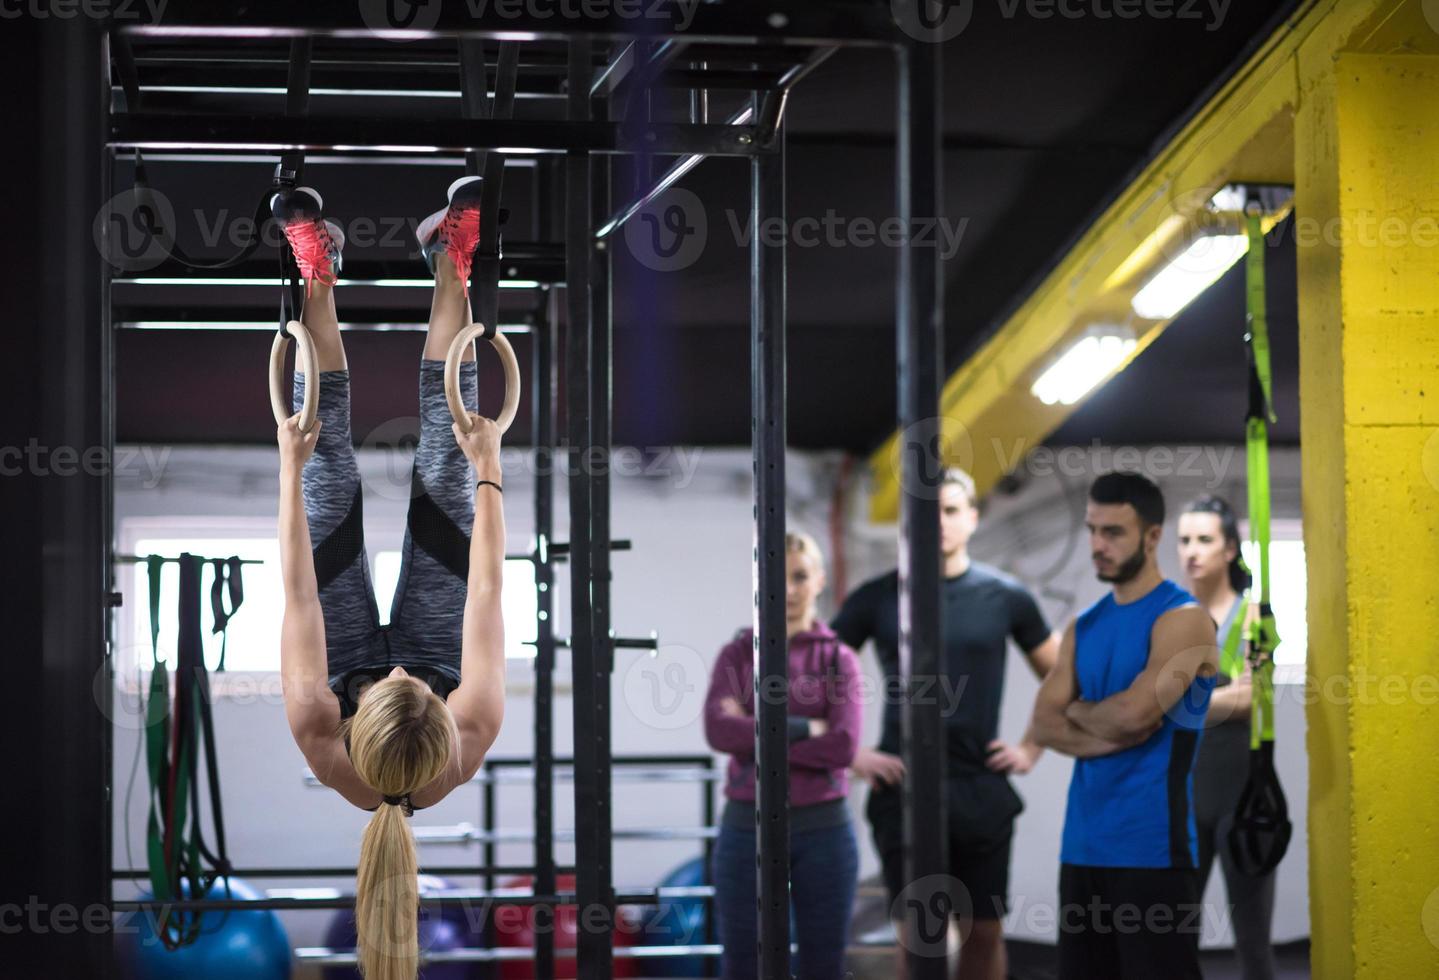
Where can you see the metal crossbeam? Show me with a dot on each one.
(318, 134)
(779, 22)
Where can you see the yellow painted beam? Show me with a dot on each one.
(1367, 161)
(1244, 133)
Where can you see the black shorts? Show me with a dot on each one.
(981, 829)
(1128, 923)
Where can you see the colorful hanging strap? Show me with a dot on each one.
(1261, 829)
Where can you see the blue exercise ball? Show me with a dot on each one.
(249, 944)
(440, 929)
(678, 922)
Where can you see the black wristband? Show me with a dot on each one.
(492, 483)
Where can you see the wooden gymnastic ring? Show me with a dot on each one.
(305, 361)
(507, 362)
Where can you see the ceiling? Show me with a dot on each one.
(1045, 118)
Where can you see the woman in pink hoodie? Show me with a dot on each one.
(824, 727)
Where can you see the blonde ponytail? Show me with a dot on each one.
(387, 899)
(402, 738)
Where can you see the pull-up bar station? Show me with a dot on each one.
(664, 86)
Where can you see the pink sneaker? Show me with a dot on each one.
(454, 229)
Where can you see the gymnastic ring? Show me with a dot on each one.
(304, 361)
(452, 378)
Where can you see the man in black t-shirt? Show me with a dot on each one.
(983, 608)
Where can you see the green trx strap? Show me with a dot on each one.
(1231, 663)
(1261, 830)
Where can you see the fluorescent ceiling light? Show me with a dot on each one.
(1176, 285)
(1082, 368)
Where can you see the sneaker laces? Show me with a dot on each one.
(313, 247)
(460, 232)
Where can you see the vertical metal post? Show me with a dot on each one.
(542, 386)
(594, 951)
(487, 796)
(920, 355)
(771, 656)
(58, 395)
(707, 809)
(598, 471)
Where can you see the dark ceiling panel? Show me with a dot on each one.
(1046, 118)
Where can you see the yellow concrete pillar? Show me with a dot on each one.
(1367, 238)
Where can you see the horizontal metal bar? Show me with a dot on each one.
(523, 262)
(316, 134)
(325, 955)
(739, 22)
(201, 313)
(510, 329)
(641, 761)
(455, 898)
(525, 776)
(563, 547)
(467, 833)
(443, 871)
(722, 78)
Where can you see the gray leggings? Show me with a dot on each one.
(1218, 781)
(428, 609)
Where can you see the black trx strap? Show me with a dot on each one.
(228, 577)
(490, 165)
(288, 175)
(1260, 834)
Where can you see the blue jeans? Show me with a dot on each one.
(824, 865)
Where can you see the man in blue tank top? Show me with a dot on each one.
(1127, 699)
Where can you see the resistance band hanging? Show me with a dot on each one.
(173, 740)
(1261, 831)
(228, 577)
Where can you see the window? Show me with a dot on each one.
(255, 630)
(1287, 587)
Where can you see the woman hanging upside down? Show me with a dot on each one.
(391, 717)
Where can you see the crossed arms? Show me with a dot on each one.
(1181, 647)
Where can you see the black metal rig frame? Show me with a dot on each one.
(610, 64)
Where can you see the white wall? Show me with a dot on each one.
(688, 578)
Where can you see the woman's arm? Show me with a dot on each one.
(1233, 702)
(478, 704)
(310, 706)
(835, 748)
(725, 730)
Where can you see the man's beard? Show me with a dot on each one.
(1129, 568)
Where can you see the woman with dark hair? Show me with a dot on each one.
(1217, 577)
